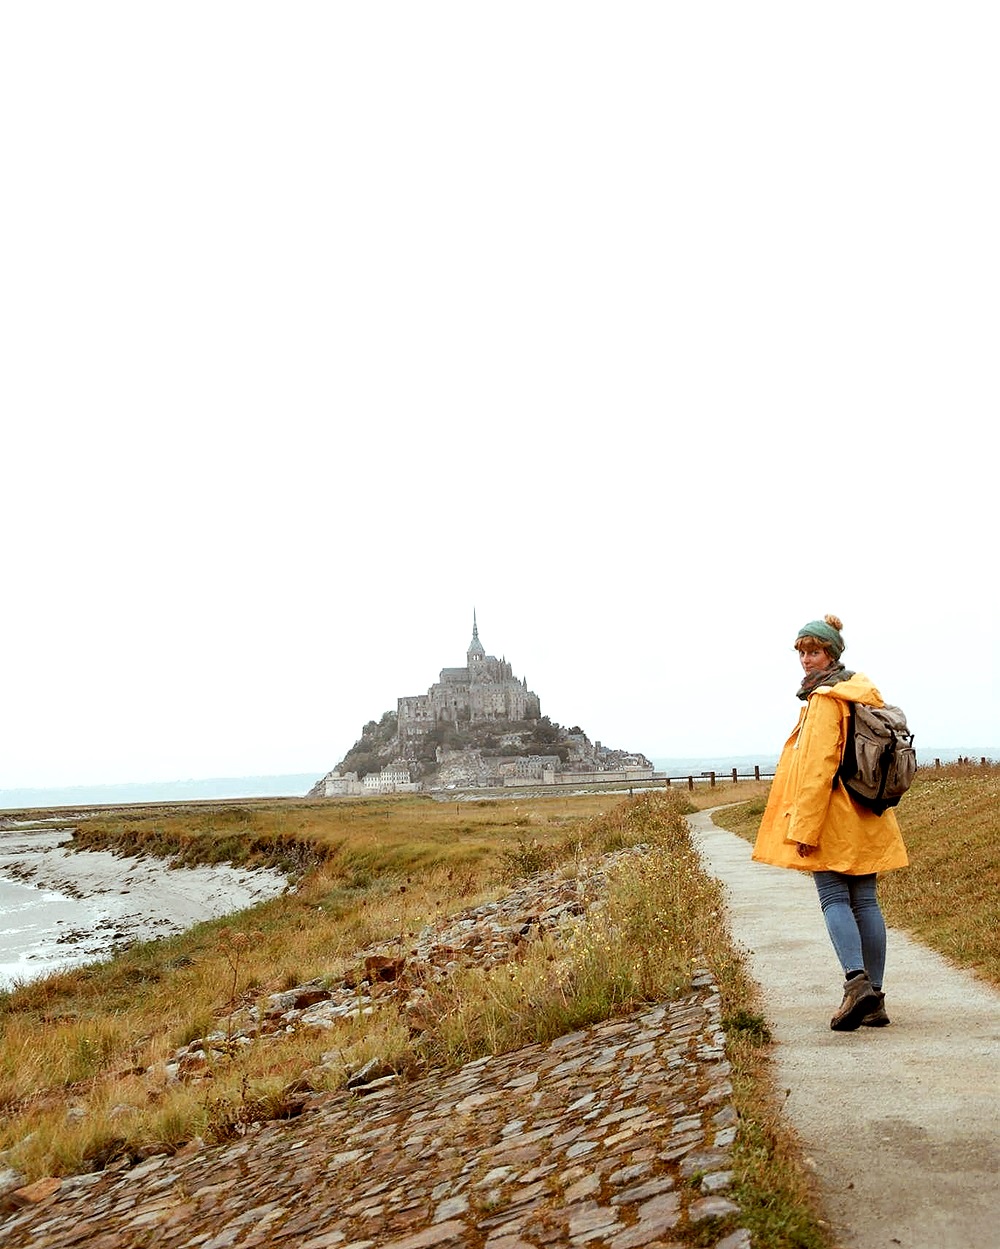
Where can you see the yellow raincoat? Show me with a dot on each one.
(806, 806)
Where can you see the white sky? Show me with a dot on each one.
(651, 331)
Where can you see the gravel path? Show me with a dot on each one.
(902, 1122)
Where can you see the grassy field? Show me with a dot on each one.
(76, 1048)
(948, 896)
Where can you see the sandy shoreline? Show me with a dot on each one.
(60, 909)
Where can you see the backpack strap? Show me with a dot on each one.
(887, 750)
(849, 759)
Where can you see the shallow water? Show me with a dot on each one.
(32, 920)
(60, 909)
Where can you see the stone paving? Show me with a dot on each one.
(618, 1135)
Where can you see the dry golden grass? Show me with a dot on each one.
(350, 837)
(641, 946)
(949, 896)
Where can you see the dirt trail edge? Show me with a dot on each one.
(900, 1122)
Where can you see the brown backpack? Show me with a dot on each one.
(879, 760)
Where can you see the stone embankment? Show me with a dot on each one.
(619, 1135)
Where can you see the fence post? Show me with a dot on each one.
(734, 776)
(712, 778)
(756, 771)
(690, 782)
(937, 763)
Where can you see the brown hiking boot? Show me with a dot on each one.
(877, 1018)
(859, 1000)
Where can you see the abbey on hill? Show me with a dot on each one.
(478, 726)
(485, 689)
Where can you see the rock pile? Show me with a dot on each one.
(485, 936)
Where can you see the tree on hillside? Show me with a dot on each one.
(546, 733)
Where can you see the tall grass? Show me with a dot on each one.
(640, 946)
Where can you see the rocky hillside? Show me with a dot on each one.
(480, 754)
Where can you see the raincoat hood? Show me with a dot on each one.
(856, 689)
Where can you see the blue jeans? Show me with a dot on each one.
(854, 922)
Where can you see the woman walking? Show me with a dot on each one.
(812, 824)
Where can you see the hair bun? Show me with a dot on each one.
(834, 622)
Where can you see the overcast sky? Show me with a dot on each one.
(650, 331)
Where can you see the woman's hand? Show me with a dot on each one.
(805, 850)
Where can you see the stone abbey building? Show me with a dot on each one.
(485, 689)
(395, 754)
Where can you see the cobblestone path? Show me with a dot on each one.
(618, 1136)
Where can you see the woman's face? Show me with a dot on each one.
(813, 659)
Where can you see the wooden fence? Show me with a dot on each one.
(734, 776)
(711, 778)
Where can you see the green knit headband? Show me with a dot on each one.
(822, 632)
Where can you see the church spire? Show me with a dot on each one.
(475, 646)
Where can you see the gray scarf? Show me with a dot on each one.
(829, 676)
